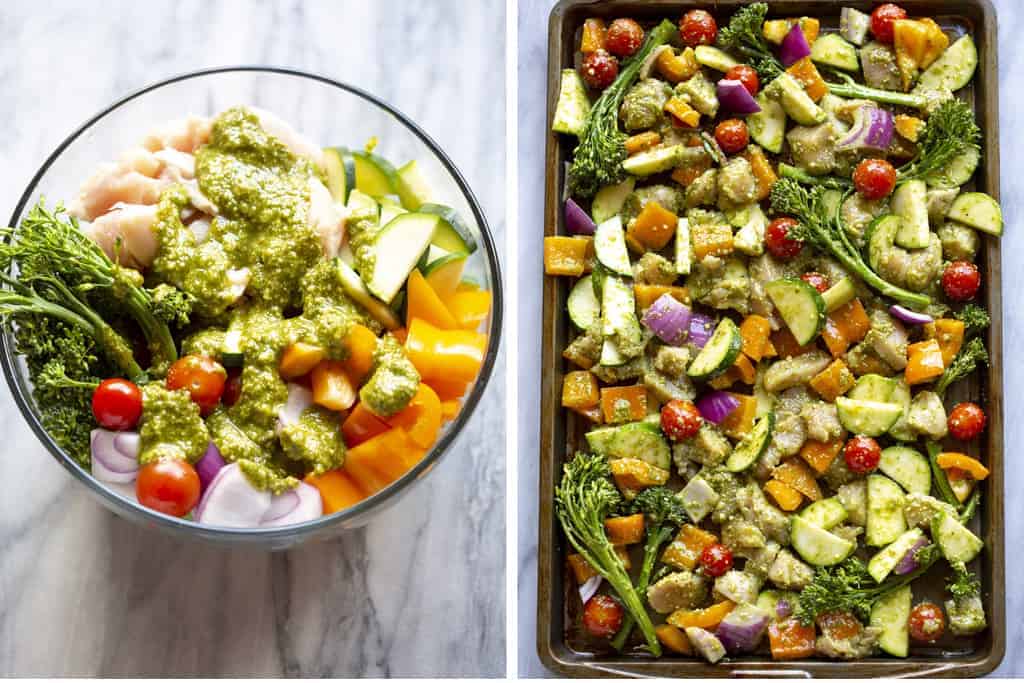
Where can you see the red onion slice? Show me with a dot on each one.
(109, 463)
(302, 505)
(908, 316)
(716, 405)
(794, 46)
(577, 221)
(872, 129)
(209, 465)
(701, 328)
(735, 97)
(299, 398)
(668, 319)
(908, 562)
(589, 588)
(232, 501)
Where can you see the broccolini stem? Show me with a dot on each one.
(939, 474)
(852, 89)
(654, 541)
(971, 507)
(802, 176)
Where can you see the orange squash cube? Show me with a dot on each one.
(564, 255)
(580, 390)
(624, 404)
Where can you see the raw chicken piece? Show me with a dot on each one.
(142, 160)
(184, 135)
(133, 224)
(173, 174)
(172, 158)
(327, 217)
(239, 279)
(297, 143)
(114, 184)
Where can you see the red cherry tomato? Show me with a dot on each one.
(882, 20)
(961, 280)
(777, 240)
(624, 38)
(680, 419)
(599, 69)
(697, 27)
(927, 622)
(874, 178)
(232, 387)
(716, 559)
(168, 486)
(816, 280)
(732, 136)
(117, 404)
(602, 616)
(862, 454)
(202, 377)
(966, 421)
(745, 75)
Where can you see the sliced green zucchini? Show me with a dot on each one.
(768, 126)
(886, 559)
(752, 446)
(573, 104)
(800, 306)
(584, 308)
(885, 511)
(374, 174)
(341, 172)
(825, 513)
(397, 248)
(610, 246)
(910, 203)
(719, 353)
(817, 546)
(413, 189)
(956, 541)
(956, 172)
(713, 58)
(445, 273)
(952, 70)
(452, 233)
(872, 387)
(356, 288)
(832, 50)
(891, 614)
(908, 468)
(644, 441)
(657, 160)
(868, 418)
(609, 200)
(839, 294)
(979, 211)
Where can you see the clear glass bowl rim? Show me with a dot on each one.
(22, 394)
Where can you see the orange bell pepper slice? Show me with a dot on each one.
(790, 639)
(754, 333)
(786, 497)
(963, 462)
(361, 342)
(625, 530)
(594, 34)
(299, 358)
(423, 302)
(707, 618)
(820, 454)
(361, 425)
(642, 141)
(624, 404)
(421, 418)
(799, 476)
(337, 490)
(924, 362)
(332, 388)
(673, 639)
(449, 355)
(469, 308)
(377, 462)
(450, 409)
(448, 391)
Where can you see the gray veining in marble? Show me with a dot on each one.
(532, 20)
(420, 591)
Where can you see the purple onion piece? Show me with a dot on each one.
(908, 562)
(783, 609)
(701, 328)
(577, 221)
(717, 405)
(910, 317)
(735, 97)
(668, 319)
(209, 465)
(794, 46)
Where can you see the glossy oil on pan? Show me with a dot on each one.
(561, 644)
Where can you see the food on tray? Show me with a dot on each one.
(234, 325)
(771, 244)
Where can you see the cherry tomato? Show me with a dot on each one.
(716, 559)
(745, 75)
(680, 419)
(777, 240)
(732, 135)
(927, 622)
(862, 454)
(202, 377)
(961, 280)
(232, 387)
(602, 616)
(839, 625)
(624, 37)
(168, 486)
(599, 69)
(966, 421)
(117, 404)
(816, 280)
(882, 20)
(697, 27)
(874, 178)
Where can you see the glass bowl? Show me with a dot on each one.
(327, 112)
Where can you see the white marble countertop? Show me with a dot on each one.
(533, 18)
(420, 591)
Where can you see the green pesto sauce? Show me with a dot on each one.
(171, 428)
(394, 380)
(362, 225)
(267, 477)
(315, 439)
(208, 342)
(261, 191)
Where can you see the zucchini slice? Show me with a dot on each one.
(374, 174)
(956, 541)
(341, 172)
(817, 546)
(885, 511)
(891, 613)
(908, 468)
(719, 353)
(452, 234)
(584, 307)
(979, 211)
(752, 446)
(610, 246)
(800, 306)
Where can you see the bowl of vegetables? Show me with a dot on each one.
(252, 327)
